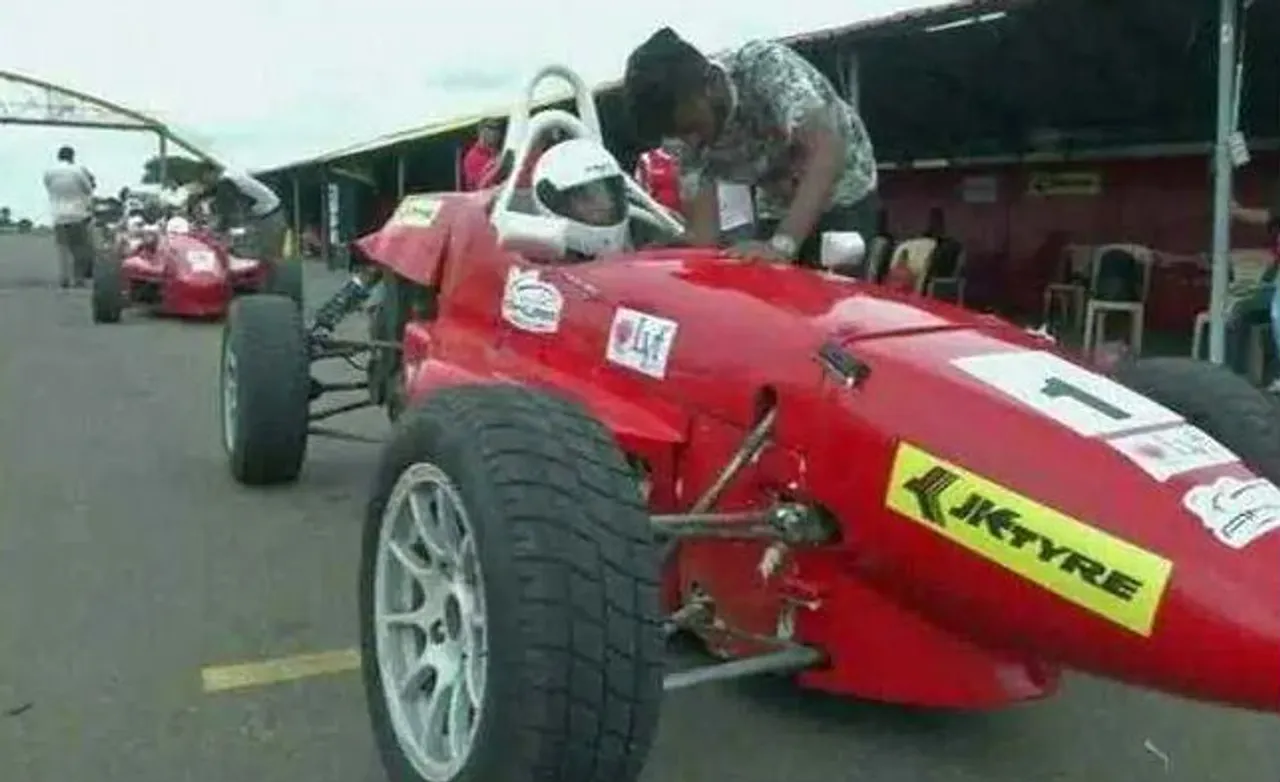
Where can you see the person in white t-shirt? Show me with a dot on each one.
(737, 213)
(237, 193)
(70, 188)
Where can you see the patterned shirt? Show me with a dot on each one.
(775, 93)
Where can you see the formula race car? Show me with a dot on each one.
(172, 268)
(890, 497)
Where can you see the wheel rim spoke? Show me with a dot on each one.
(430, 622)
(428, 528)
(230, 404)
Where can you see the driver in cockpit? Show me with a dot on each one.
(579, 181)
(576, 180)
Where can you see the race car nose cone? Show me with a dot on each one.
(1173, 586)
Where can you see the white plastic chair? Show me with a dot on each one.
(1097, 310)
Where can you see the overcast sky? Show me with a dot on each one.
(266, 82)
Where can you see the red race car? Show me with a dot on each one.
(890, 497)
(173, 269)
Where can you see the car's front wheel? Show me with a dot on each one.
(266, 390)
(108, 290)
(508, 596)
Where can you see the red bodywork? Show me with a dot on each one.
(188, 275)
(905, 613)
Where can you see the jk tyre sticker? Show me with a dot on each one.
(1100, 573)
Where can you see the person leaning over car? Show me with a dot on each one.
(234, 192)
(760, 116)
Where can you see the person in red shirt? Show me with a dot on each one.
(658, 172)
(482, 155)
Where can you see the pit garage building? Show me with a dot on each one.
(1022, 119)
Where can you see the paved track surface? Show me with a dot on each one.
(129, 562)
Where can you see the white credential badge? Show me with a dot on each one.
(1180, 449)
(530, 303)
(1237, 512)
(641, 342)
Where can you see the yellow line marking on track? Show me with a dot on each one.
(221, 678)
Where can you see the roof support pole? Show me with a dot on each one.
(852, 78)
(295, 183)
(1222, 171)
(164, 159)
(400, 175)
(328, 218)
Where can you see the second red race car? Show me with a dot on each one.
(172, 268)
(889, 497)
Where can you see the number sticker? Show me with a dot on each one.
(1083, 401)
(202, 261)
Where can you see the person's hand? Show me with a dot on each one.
(756, 250)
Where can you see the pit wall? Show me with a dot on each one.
(1006, 217)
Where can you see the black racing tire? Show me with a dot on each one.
(265, 384)
(107, 298)
(285, 278)
(570, 577)
(1225, 405)
(386, 324)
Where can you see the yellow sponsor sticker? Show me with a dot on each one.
(418, 211)
(1098, 572)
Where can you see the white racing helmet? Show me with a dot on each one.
(579, 181)
(177, 225)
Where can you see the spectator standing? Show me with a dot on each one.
(482, 155)
(70, 187)
(659, 175)
(1262, 303)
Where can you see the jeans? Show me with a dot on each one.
(1259, 308)
(1275, 324)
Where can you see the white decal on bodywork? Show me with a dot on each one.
(1164, 453)
(642, 342)
(1237, 512)
(1085, 402)
(530, 303)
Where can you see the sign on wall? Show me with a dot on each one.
(979, 190)
(1047, 184)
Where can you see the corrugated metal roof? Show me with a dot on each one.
(955, 9)
(958, 9)
(446, 126)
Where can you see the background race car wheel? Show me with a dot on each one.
(386, 324)
(284, 278)
(508, 596)
(266, 387)
(108, 290)
(1226, 406)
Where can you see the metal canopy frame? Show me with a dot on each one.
(42, 103)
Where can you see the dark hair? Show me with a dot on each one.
(661, 72)
(66, 154)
